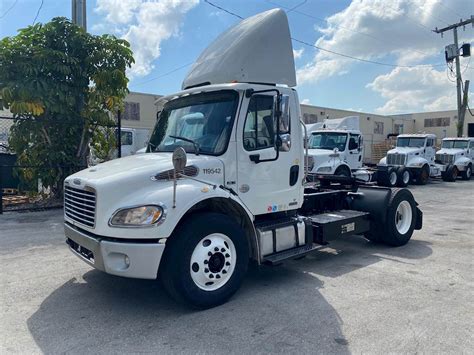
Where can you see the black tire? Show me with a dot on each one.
(388, 178)
(175, 269)
(423, 175)
(388, 232)
(451, 173)
(467, 173)
(343, 171)
(403, 177)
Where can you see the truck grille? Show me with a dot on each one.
(396, 159)
(79, 205)
(444, 158)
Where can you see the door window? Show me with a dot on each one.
(354, 142)
(259, 128)
(126, 138)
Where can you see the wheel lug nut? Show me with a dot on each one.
(211, 276)
(210, 254)
(206, 270)
(227, 255)
(227, 263)
(216, 249)
(224, 272)
(222, 250)
(205, 262)
(218, 276)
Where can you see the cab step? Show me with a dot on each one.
(294, 253)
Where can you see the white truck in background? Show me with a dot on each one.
(413, 159)
(457, 155)
(335, 147)
(231, 187)
(133, 141)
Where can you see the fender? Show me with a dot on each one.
(417, 162)
(462, 162)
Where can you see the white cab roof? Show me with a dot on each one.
(349, 123)
(417, 135)
(256, 50)
(458, 139)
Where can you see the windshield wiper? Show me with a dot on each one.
(196, 145)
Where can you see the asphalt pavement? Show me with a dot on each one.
(351, 297)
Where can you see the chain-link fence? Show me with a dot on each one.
(21, 188)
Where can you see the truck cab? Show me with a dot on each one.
(413, 158)
(223, 181)
(456, 155)
(335, 146)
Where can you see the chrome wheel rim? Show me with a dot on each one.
(213, 262)
(403, 217)
(406, 177)
(393, 178)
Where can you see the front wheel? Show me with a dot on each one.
(467, 173)
(423, 176)
(451, 173)
(205, 260)
(388, 178)
(403, 177)
(400, 220)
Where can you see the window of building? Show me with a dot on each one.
(378, 127)
(437, 122)
(398, 128)
(131, 111)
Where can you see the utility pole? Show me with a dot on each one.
(79, 15)
(462, 104)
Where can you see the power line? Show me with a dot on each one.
(8, 10)
(334, 52)
(164, 74)
(383, 41)
(450, 9)
(38, 12)
(296, 6)
(222, 9)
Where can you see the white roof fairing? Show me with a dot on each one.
(256, 50)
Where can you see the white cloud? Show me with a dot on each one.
(297, 53)
(415, 89)
(387, 31)
(305, 102)
(145, 24)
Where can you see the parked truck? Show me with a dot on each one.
(335, 147)
(413, 159)
(204, 202)
(456, 155)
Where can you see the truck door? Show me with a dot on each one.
(430, 150)
(268, 180)
(354, 151)
(127, 143)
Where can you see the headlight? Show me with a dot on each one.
(138, 216)
(325, 169)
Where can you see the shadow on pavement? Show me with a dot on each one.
(102, 313)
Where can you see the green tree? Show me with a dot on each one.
(60, 83)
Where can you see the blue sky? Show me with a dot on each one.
(167, 34)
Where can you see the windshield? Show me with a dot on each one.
(454, 144)
(204, 121)
(411, 142)
(328, 140)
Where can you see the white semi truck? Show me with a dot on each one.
(230, 187)
(335, 147)
(457, 155)
(412, 159)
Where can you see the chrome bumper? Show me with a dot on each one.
(135, 260)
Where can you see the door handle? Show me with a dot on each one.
(255, 158)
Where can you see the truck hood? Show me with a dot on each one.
(320, 156)
(405, 150)
(450, 151)
(137, 169)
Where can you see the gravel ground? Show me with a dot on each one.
(353, 297)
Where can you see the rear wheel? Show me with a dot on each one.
(451, 173)
(467, 173)
(403, 177)
(388, 178)
(205, 260)
(423, 175)
(400, 220)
